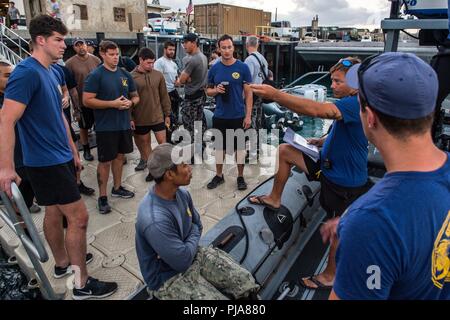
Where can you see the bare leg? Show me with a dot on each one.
(161, 137)
(220, 157)
(117, 167)
(84, 136)
(288, 157)
(240, 160)
(143, 144)
(54, 233)
(77, 218)
(328, 275)
(103, 177)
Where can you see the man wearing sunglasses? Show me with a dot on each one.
(342, 170)
(394, 242)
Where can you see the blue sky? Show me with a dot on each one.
(361, 13)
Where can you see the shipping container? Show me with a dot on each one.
(218, 19)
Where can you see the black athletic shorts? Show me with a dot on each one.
(87, 118)
(54, 185)
(334, 199)
(111, 144)
(144, 130)
(226, 124)
(25, 187)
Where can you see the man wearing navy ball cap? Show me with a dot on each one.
(394, 242)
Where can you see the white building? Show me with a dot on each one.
(95, 15)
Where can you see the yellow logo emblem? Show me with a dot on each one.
(124, 82)
(440, 269)
(236, 75)
(189, 213)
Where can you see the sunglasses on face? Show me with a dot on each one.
(365, 65)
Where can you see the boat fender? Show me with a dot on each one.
(228, 239)
(280, 223)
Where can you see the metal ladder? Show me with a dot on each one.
(34, 247)
(15, 52)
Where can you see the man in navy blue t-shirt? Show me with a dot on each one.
(342, 169)
(25, 186)
(394, 242)
(33, 100)
(229, 80)
(111, 92)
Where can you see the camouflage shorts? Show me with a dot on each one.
(192, 111)
(257, 114)
(212, 275)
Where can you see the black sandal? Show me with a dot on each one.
(320, 285)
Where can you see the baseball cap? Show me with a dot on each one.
(166, 156)
(192, 37)
(78, 40)
(397, 84)
(90, 43)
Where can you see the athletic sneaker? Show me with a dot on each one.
(87, 153)
(35, 208)
(85, 190)
(215, 182)
(149, 178)
(141, 166)
(94, 289)
(241, 184)
(122, 193)
(103, 206)
(61, 272)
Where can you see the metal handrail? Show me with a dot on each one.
(323, 73)
(4, 27)
(9, 54)
(10, 35)
(34, 246)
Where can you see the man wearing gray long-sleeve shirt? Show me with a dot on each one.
(168, 231)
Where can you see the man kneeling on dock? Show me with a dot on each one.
(168, 231)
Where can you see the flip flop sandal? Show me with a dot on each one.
(260, 202)
(320, 285)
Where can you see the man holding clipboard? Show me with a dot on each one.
(342, 168)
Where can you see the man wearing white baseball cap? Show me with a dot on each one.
(394, 242)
